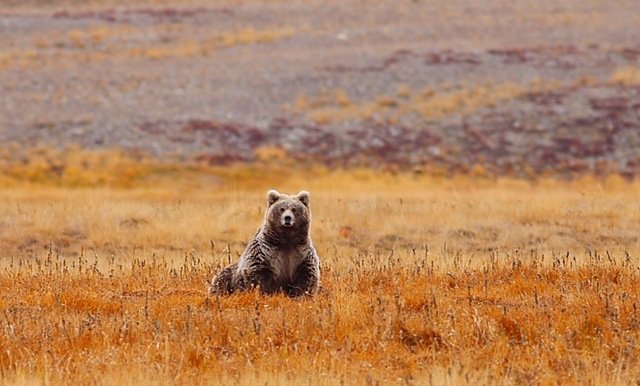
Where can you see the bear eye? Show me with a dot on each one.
(281, 210)
(293, 210)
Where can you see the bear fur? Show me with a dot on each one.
(280, 257)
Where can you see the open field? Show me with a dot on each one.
(474, 169)
(425, 280)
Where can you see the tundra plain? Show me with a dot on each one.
(425, 280)
(473, 169)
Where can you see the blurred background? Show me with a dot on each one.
(493, 88)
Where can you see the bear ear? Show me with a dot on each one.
(272, 197)
(304, 197)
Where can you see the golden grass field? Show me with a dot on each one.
(426, 279)
(435, 270)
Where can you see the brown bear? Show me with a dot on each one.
(280, 257)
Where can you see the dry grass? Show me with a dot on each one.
(430, 104)
(627, 76)
(101, 42)
(381, 320)
(426, 280)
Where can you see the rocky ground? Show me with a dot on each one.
(514, 89)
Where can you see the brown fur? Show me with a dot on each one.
(281, 256)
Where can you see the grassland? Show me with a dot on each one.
(474, 172)
(425, 279)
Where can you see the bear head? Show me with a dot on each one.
(287, 218)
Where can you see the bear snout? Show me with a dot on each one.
(288, 219)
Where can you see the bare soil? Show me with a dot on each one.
(215, 81)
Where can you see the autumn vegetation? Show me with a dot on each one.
(473, 166)
(426, 280)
